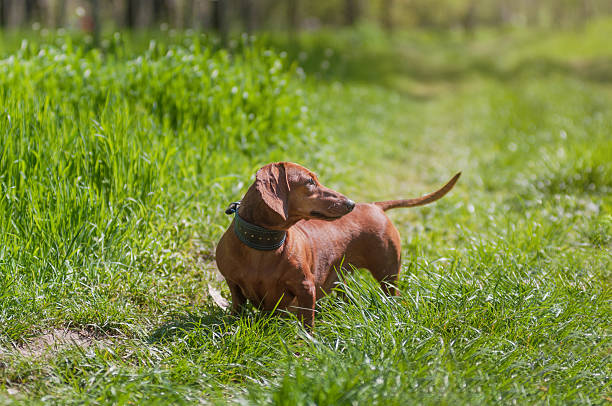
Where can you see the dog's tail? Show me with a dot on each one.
(419, 201)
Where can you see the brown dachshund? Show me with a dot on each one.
(290, 235)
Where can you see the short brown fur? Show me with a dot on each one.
(324, 230)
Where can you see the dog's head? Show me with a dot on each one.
(294, 193)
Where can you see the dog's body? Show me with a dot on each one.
(323, 228)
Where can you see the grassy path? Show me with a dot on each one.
(516, 263)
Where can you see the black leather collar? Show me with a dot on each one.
(257, 237)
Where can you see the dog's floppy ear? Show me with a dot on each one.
(272, 184)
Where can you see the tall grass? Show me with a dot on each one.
(104, 158)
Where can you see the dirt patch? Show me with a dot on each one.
(54, 341)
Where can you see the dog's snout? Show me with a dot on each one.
(350, 205)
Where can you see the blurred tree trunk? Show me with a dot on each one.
(248, 15)
(469, 18)
(351, 12)
(160, 10)
(293, 17)
(386, 14)
(586, 10)
(532, 11)
(2, 13)
(265, 9)
(59, 13)
(557, 16)
(131, 10)
(219, 19)
(200, 9)
(31, 7)
(145, 15)
(504, 12)
(16, 13)
(188, 12)
(176, 12)
(95, 21)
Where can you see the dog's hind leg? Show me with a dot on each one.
(387, 277)
(385, 261)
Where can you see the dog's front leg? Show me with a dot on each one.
(306, 298)
(238, 299)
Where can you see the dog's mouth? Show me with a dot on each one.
(321, 216)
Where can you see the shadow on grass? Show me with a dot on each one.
(217, 320)
(183, 324)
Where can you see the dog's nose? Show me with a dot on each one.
(350, 205)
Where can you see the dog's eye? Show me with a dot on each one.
(311, 181)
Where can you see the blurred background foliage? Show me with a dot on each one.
(250, 15)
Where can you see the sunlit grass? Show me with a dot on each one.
(113, 185)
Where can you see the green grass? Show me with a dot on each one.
(115, 168)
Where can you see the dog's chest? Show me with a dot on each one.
(264, 285)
